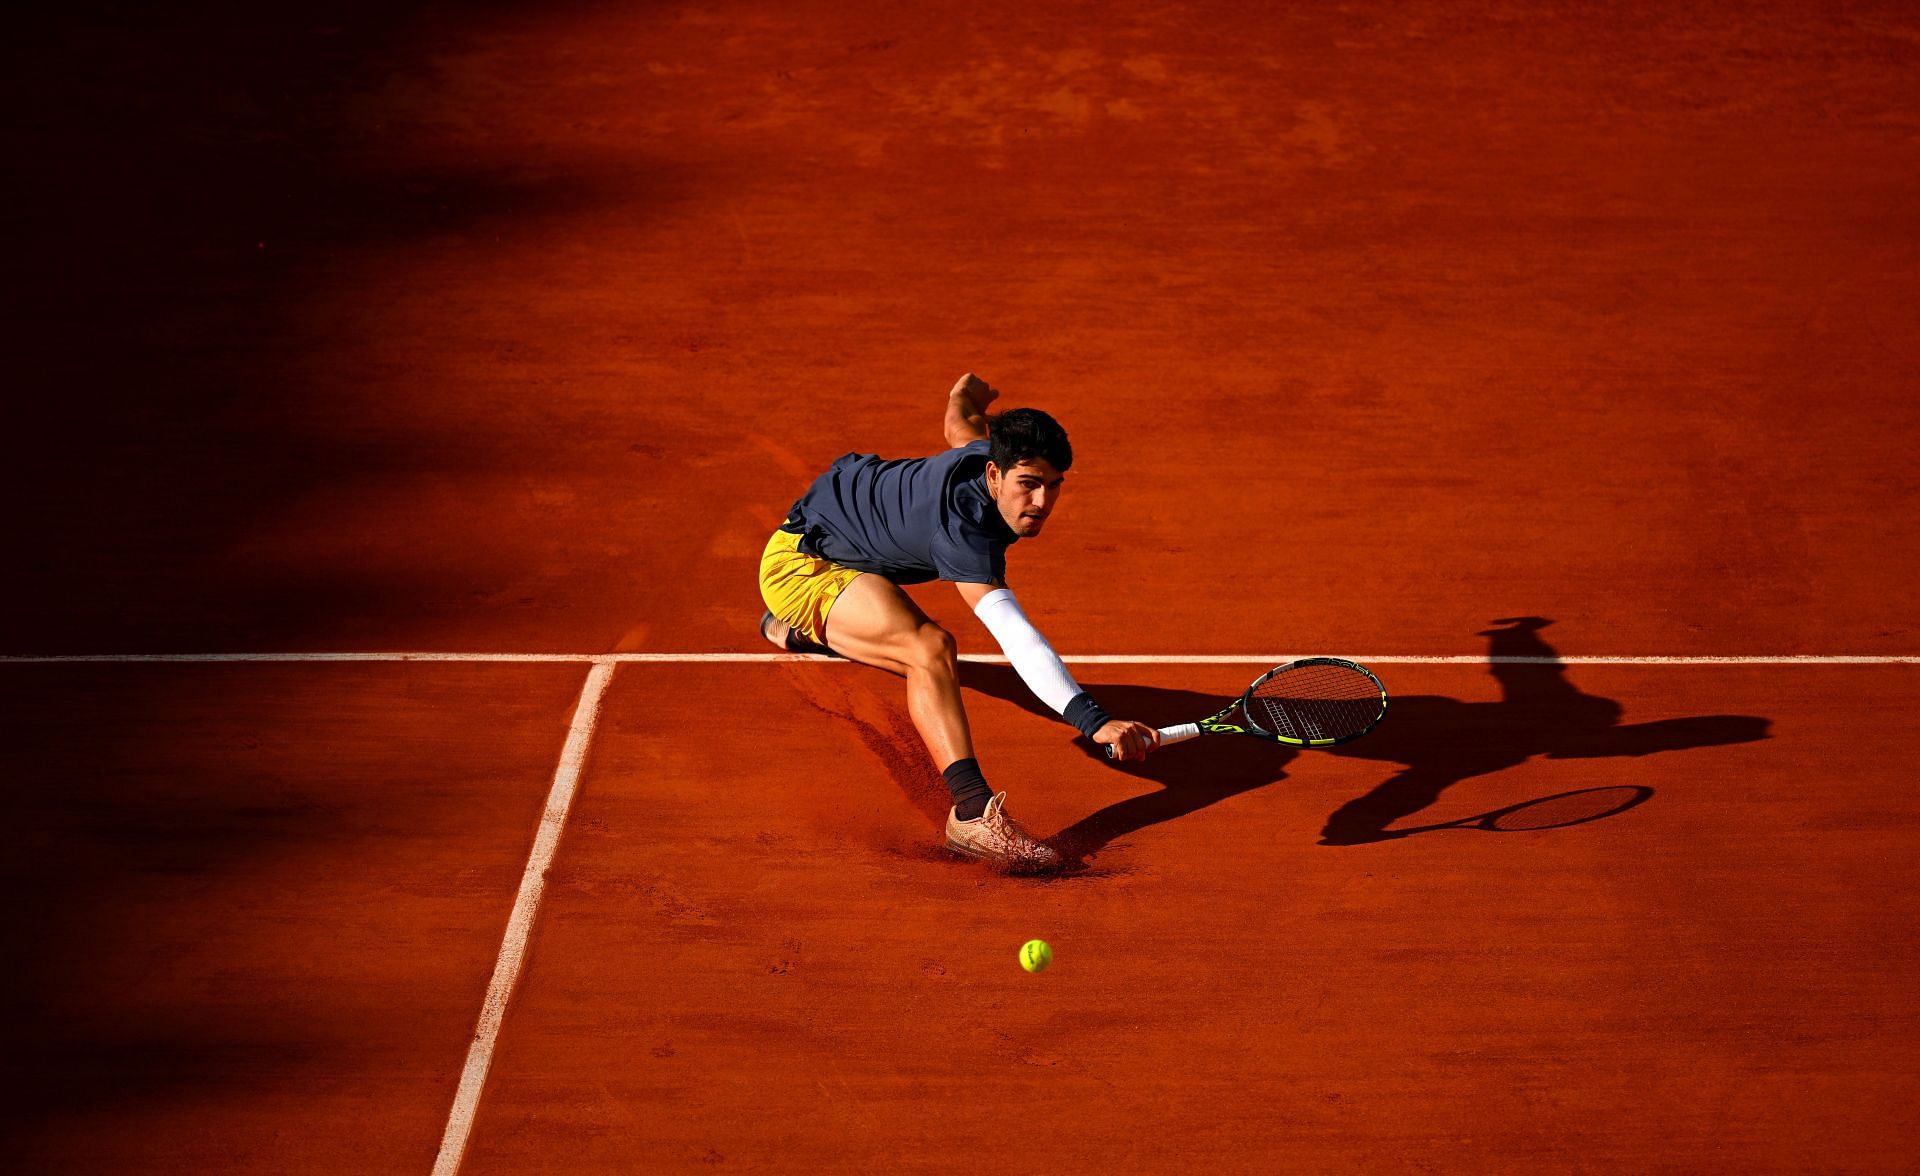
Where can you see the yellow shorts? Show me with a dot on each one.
(800, 589)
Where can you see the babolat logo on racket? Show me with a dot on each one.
(1313, 702)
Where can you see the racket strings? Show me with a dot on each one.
(1317, 702)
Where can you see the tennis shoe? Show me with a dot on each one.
(996, 837)
(785, 636)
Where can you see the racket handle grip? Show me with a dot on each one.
(1179, 734)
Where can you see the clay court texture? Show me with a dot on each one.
(399, 397)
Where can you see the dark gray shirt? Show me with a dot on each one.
(910, 520)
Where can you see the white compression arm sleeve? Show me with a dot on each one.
(1039, 667)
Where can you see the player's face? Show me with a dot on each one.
(1026, 494)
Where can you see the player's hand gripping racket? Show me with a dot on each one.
(1313, 702)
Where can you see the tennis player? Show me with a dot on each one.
(831, 577)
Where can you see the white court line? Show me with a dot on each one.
(526, 904)
(1087, 659)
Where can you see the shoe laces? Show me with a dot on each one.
(1004, 826)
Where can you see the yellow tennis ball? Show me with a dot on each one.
(1035, 955)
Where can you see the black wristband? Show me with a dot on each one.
(1086, 714)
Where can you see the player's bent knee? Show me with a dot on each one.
(932, 649)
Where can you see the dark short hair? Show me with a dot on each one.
(1022, 434)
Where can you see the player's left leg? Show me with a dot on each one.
(873, 622)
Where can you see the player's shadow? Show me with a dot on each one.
(1439, 741)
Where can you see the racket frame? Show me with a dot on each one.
(1217, 724)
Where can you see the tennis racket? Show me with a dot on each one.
(1313, 702)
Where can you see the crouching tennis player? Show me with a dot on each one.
(832, 572)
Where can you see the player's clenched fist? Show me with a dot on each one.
(975, 389)
(1129, 740)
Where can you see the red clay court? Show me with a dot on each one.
(401, 396)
